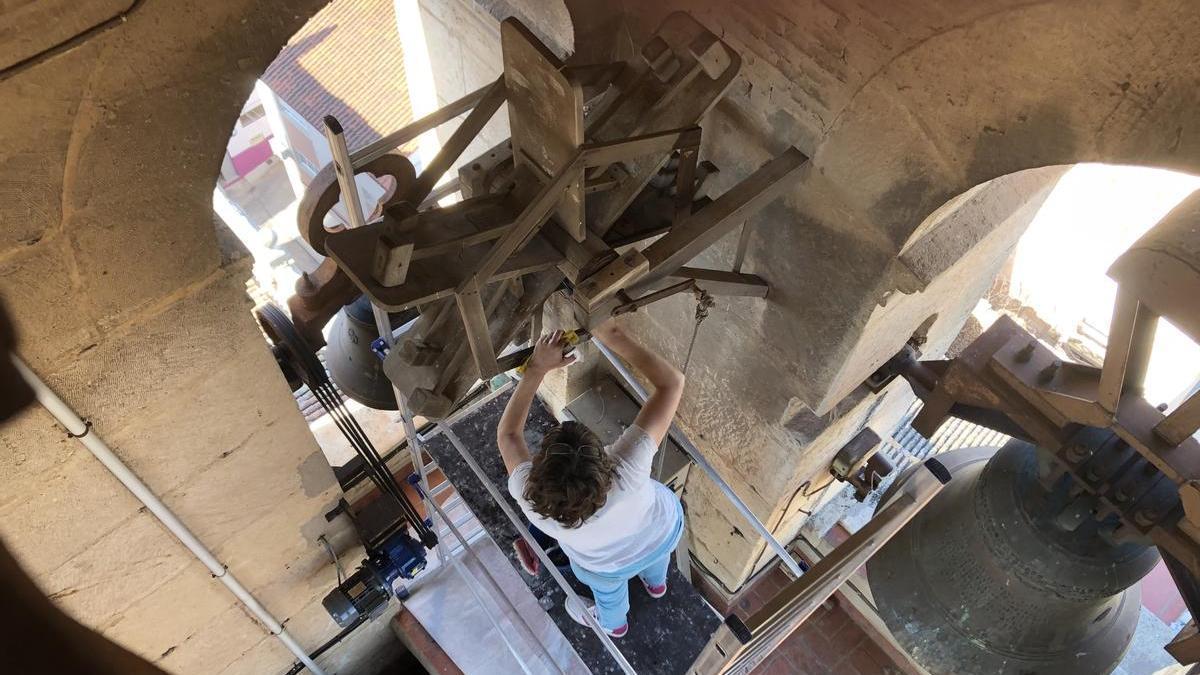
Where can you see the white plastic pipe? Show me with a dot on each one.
(92, 441)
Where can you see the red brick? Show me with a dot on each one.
(829, 622)
(775, 580)
(863, 664)
(876, 654)
(817, 649)
(849, 635)
(777, 664)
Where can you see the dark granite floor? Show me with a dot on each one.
(665, 635)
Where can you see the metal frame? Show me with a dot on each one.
(343, 165)
(533, 219)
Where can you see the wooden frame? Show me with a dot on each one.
(566, 179)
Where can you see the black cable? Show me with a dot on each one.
(322, 396)
(371, 455)
(297, 666)
(331, 401)
(377, 471)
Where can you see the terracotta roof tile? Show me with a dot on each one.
(346, 61)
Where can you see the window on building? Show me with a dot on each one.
(252, 115)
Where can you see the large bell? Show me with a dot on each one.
(999, 574)
(354, 368)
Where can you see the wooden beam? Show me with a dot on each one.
(475, 321)
(431, 121)
(609, 279)
(545, 117)
(687, 239)
(1182, 422)
(1127, 354)
(602, 154)
(344, 168)
(527, 223)
(739, 651)
(721, 282)
(594, 74)
(460, 243)
(466, 132)
(685, 184)
(1185, 646)
(739, 257)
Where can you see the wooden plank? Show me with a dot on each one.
(604, 153)
(429, 278)
(594, 74)
(685, 183)
(466, 132)
(429, 122)
(1182, 422)
(545, 113)
(1116, 353)
(393, 253)
(344, 168)
(470, 307)
(459, 243)
(1185, 646)
(610, 279)
(581, 258)
(787, 610)
(687, 239)
(739, 257)
(527, 223)
(684, 101)
(721, 282)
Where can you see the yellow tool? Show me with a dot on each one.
(573, 338)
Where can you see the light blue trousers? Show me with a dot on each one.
(611, 589)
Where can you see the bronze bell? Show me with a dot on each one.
(353, 367)
(1005, 572)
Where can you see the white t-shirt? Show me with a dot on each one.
(639, 515)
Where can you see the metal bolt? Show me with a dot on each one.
(1026, 352)
(1048, 373)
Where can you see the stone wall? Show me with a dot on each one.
(130, 308)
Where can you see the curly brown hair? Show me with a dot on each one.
(570, 478)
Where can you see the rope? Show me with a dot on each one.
(704, 302)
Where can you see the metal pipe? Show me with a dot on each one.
(694, 452)
(83, 432)
(523, 532)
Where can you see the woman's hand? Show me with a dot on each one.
(548, 354)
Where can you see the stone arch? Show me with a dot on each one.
(1034, 85)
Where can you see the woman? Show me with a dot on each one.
(613, 521)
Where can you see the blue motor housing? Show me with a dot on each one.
(366, 592)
